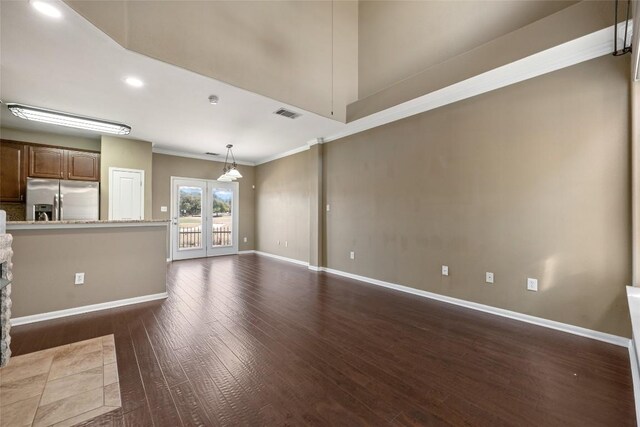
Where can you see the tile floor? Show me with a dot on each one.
(60, 386)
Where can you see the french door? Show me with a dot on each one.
(204, 218)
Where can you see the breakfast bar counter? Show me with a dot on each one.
(71, 267)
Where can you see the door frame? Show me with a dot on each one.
(209, 252)
(113, 169)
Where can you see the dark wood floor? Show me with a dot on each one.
(246, 340)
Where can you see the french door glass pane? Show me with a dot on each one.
(221, 226)
(190, 218)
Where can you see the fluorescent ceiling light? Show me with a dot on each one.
(65, 119)
(46, 8)
(134, 81)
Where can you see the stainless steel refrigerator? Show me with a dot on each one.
(62, 200)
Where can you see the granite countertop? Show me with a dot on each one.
(41, 225)
(100, 221)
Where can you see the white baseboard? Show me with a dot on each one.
(85, 309)
(246, 252)
(551, 324)
(282, 258)
(169, 259)
(635, 375)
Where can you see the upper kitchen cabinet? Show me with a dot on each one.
(47, 162)
(83, 166)
(13, 171)
(58, 163)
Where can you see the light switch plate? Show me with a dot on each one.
(163, 208)
(79, 279)
(445, 270)
(328, 207)
(245, 240)
(352, 255)
(532, 284)
(489, 277)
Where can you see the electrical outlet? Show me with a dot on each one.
(328, 207)
(163, 208)
(532, 284)
(445, 270)
(278, 242)
(245, 240)
(489, 277)
(79, 279)
(352, 255)
(286, 243)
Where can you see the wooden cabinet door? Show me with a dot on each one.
(13, 173)
(83, 166)
(46, 162)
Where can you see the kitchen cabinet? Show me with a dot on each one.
(59, 163)
(47, 162)
(13, 171)
(83, 166)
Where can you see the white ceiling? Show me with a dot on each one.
(69, 65)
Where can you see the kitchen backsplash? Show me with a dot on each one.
(15, 211)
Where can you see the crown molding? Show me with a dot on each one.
(284, 154)
(177, 153)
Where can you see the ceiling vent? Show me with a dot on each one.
(287, 113)
(212, 154)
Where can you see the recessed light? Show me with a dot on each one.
(134, 81)
(46, 8)
(213, 99)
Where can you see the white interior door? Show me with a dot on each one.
(126, 194)
(204, 218)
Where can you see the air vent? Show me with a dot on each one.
(287, 113)
(212, 154)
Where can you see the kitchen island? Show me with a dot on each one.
(119, 263)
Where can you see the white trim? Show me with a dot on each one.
(85, 309)
(113, 169)
(635, 376)
(218, 159)
(282, 258)
(52, 225)
(573, 52)
(251, 251)
(315, 268)
(551, 324)
(284, 154)
(169, 260)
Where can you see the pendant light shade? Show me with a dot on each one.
(230, 170)
(234, 173)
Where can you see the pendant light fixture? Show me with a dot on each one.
(230, 171)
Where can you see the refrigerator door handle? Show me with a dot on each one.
(55, 208)
(61, 207)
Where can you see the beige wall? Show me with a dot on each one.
(280, 49)
(50, 139)
(431, 32)
(165, 166)
(282, 206)
(45, 263)
(130, 154)
(531, 180)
